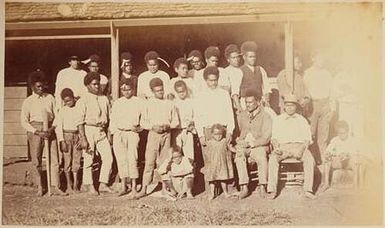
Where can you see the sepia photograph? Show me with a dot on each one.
(191, 113)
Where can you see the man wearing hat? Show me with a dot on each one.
(291, 137)
(233, 56)
(195, 58)
(95, 109)
(93, 63)
(71, 77)
(254, 76)
(128, 70)
(35, 108)
(212, 55)
(152, 61)
(253, 142)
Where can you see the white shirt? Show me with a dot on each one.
(185, 111)
(144, 83)
(213, 106)
(189, 82)
(66, 119)
(181, 169)
(159, 112)
(103, 80)
(339, 146)
(72, 79)
(235, 76)
(291, 129)
(200, 83)
(33, 107)
(94, 109)
(126, 113)
(318, 82)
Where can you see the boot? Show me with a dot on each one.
(76, 183)
(69, 183)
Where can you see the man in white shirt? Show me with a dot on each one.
(233, 56)
(152, 60)
(93, 63)
(71, 77)
(291, 137)
(319, 83)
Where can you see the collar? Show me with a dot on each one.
(38, 96)
(254, 113)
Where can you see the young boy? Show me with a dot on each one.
(183, 135)
(93, 63)
(124, 126)
(35, 108)
(94, 110)
(160, 117)
(195, 58)
(152, 60)
(66, 122)
(128, 70)
(181, 68)
(343, 152)
(180, 170)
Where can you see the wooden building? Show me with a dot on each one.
(43, 35)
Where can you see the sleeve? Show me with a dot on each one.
(82, 109)
(229, 114)
(58, 88)
(224, 79)
(275, 130)
(266, 131)
(198, 116)
(58, 123)
(113, 125)
(174, 117)
(167, 84)
(306, 130)
(235, 83)
(266, 82)
(331, 147)
(140, 87)
(145, 120)
(24, 117)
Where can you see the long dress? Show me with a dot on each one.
(218, 164)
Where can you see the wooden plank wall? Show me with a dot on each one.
(15, 137)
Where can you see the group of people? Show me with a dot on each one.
(226, 108)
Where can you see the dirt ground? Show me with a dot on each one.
(340, 205)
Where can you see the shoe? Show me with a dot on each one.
(262, 191)
(104, 188)
(309, 195)
(272, 195)
(244, 193)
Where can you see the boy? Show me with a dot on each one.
(342, 153)
(94, 110)
(195, 58)
(180, 170)
(127, 69)
(184, 134)
(124, 126)
(32, 120)
(66, 122)
(93, 63)
(181, 68)
(159, 118)
(152, 60)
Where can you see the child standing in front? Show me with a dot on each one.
(218, 164)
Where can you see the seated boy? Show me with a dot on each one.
(342, 153)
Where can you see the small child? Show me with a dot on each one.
(183, 136)
(125, 126)
(180, 170)
(181, 68)
(218, 164)
(343, 153)
(66, 122)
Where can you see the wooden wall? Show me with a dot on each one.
(15, 137)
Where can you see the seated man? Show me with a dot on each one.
(255, 132)
(343, 152)
(291, 137)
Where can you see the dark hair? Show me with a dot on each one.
(155, 82)
(180, 83)
(90, 77)
(342, 124)
(210, 70)
(218, 127)
(180, 61)
(36, 76)
(253, 93)
(66, 92)
(126, 81)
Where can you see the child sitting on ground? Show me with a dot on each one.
(343, 152)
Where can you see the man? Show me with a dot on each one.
(95, 110)
(93, 63)
(319, 83)
(254, 76)
(212, 55)
(35, 108)
(285, 86)
(71, 77)
(291, 137)
(255, 133)
(195, 58)
(152, 60)
(233, 56)
(128, 70)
